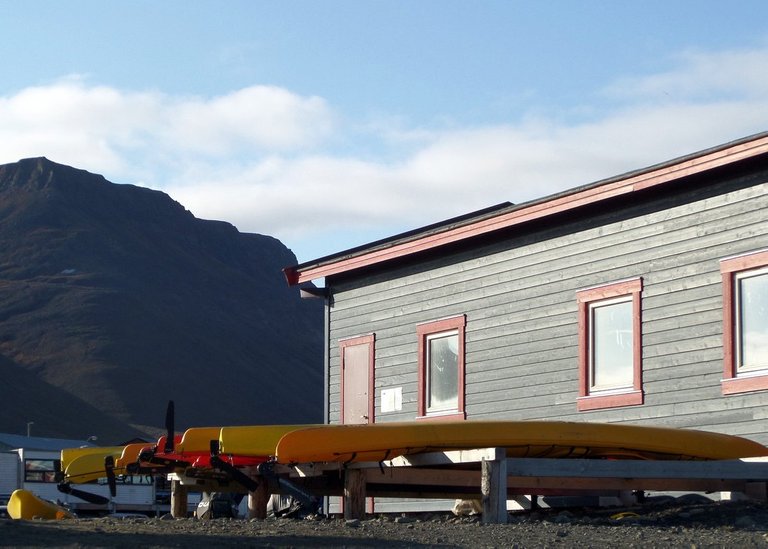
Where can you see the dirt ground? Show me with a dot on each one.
(688, 524)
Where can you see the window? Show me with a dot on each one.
(441, 368)
(610, 350)
(40, 470)
(745, 323)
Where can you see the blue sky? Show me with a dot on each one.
(329, 124)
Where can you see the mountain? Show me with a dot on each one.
(115, 299)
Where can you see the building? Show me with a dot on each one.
(642, 298)
(9, 441)
(31, 463)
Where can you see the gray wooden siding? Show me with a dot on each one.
(519, 298)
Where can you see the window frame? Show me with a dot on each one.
(735, 382)
(41, 475)
(425, 332)
(631, 290)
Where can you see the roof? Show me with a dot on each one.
(11, 442)
(508, 215)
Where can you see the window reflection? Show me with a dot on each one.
(612, 352)
(752, 326)
(443, 375)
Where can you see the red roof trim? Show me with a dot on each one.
(612, 188)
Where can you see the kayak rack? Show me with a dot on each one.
(487, 475)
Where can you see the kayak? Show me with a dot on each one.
(24, 505)
(545, 439)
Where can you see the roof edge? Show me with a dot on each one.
(507, 215)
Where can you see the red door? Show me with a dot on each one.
(357, 397)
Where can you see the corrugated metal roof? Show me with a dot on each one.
(11, 442)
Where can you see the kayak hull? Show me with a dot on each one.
(24, 505)
(90, 467)
(254, 440)
(545, 439)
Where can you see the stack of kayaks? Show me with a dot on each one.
(209, 450)
(290, 444)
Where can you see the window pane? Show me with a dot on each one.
(612, 354)
(39, 470)
(753, 321)
(443, 376)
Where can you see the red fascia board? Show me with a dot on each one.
(652, 178)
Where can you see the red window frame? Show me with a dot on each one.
(732, 382)
(622, 397)
(458, 324)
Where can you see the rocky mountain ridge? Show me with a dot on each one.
(115, 298)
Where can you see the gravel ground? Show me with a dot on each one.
(673, 524)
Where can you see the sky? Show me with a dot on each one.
(329, 124)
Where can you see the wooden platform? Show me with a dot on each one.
(488, 475)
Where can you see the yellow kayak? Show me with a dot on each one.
(69, 455)
(196, 440)
(25, 505)
(89, 467)
(547, 439)
(253, 440)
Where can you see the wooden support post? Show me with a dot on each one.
(757, 491)
(752, 490)
(178, 499)
(354, 494)
(257, 501)
(494, 489)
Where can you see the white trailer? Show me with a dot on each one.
(9, 475)
(35, 470)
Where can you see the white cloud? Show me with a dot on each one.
(128, 133)
(248, 120)
(445, 173)
(457, 172)
(257, 157)
(702, 75)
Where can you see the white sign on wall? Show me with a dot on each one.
(391, 400)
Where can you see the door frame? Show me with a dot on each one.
(370, 340)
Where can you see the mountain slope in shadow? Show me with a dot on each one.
(122, 299)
